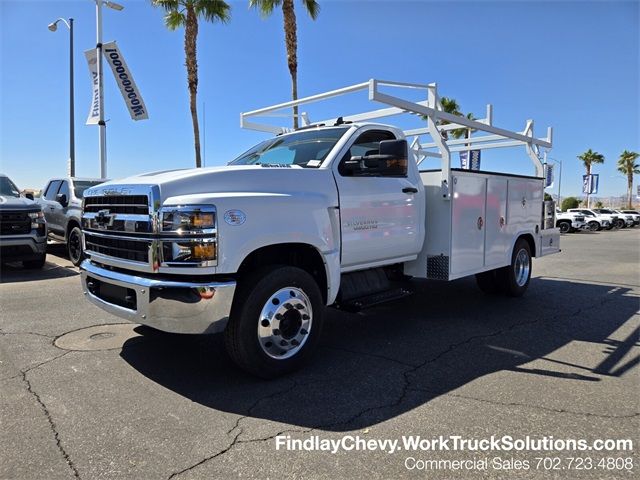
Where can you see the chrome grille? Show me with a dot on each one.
(128, 204)
(134, 250)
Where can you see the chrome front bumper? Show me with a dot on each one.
(171, 306)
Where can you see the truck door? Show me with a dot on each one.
(382, 217)
(50, 207)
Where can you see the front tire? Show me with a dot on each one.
(74, 246)
(565, 227)
(594, 226)
(276, 321)
(517, 276)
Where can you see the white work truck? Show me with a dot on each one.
(339, 212)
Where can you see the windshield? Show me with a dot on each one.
(8, 188)
(604, 210)
(307, 149)
(79, 186)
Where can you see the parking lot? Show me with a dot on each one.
(120, 401)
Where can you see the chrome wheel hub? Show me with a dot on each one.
(284, 323)
(522, 267)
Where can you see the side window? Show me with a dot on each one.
(367, 143)
(52, 189)
(64, 189)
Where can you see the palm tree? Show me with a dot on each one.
(186, 13)
(266, 8)
(449, 105)
(590, 158)
(627, 166)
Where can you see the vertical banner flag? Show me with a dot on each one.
(590, 183)
(548, 175)
(94, 111)
(594, 183)
(128, 88)
(470, 164)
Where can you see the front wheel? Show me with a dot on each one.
(276, 321)
(565, 227)
(74, 246)
(594, 226)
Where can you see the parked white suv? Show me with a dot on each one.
(628, 218)
(616, 219)
(634, 214)
(596, 221)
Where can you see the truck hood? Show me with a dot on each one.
(236, 180)
(18, 203)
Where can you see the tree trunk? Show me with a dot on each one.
(190, 38)
(291, 40)
(629, 190)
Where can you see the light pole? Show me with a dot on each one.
(72, 142)
(102, 132)
(559, 162)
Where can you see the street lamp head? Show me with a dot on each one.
(113, 5)
(53, 26)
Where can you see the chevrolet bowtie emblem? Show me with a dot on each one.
(104, 219)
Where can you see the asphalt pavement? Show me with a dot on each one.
(116, 400)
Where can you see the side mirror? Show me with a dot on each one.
(61, 198)
(29, 196)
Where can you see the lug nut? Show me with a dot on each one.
(276, 331)
(299, 306)
(288, 306)
(303, 331)
(264, 323)
(295, 343)
(305, 317)
(278, 316)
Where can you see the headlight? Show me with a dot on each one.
(188, 219)
(37, 220)
(189, 236)
(189, 251)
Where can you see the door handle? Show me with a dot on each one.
(409, 190)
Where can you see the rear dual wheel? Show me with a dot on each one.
(512, 280)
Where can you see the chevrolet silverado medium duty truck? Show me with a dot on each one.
(339, 212)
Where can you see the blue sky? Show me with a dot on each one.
(571, 65)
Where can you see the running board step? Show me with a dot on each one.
(357, 304)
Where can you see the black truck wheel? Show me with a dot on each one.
(275, 322)
(74, 246)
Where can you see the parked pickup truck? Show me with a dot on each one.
(592, 218)
(62, 206)
(339, 213)
(572, 222)
(634, 215)
(23, 236)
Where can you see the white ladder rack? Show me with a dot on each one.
(431, 109)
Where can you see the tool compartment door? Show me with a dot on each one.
(467, 223)
(497, 236)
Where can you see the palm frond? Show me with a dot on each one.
(265, 7)
(168, 5)
(312, 7)
(213, 10)
(174, 19)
